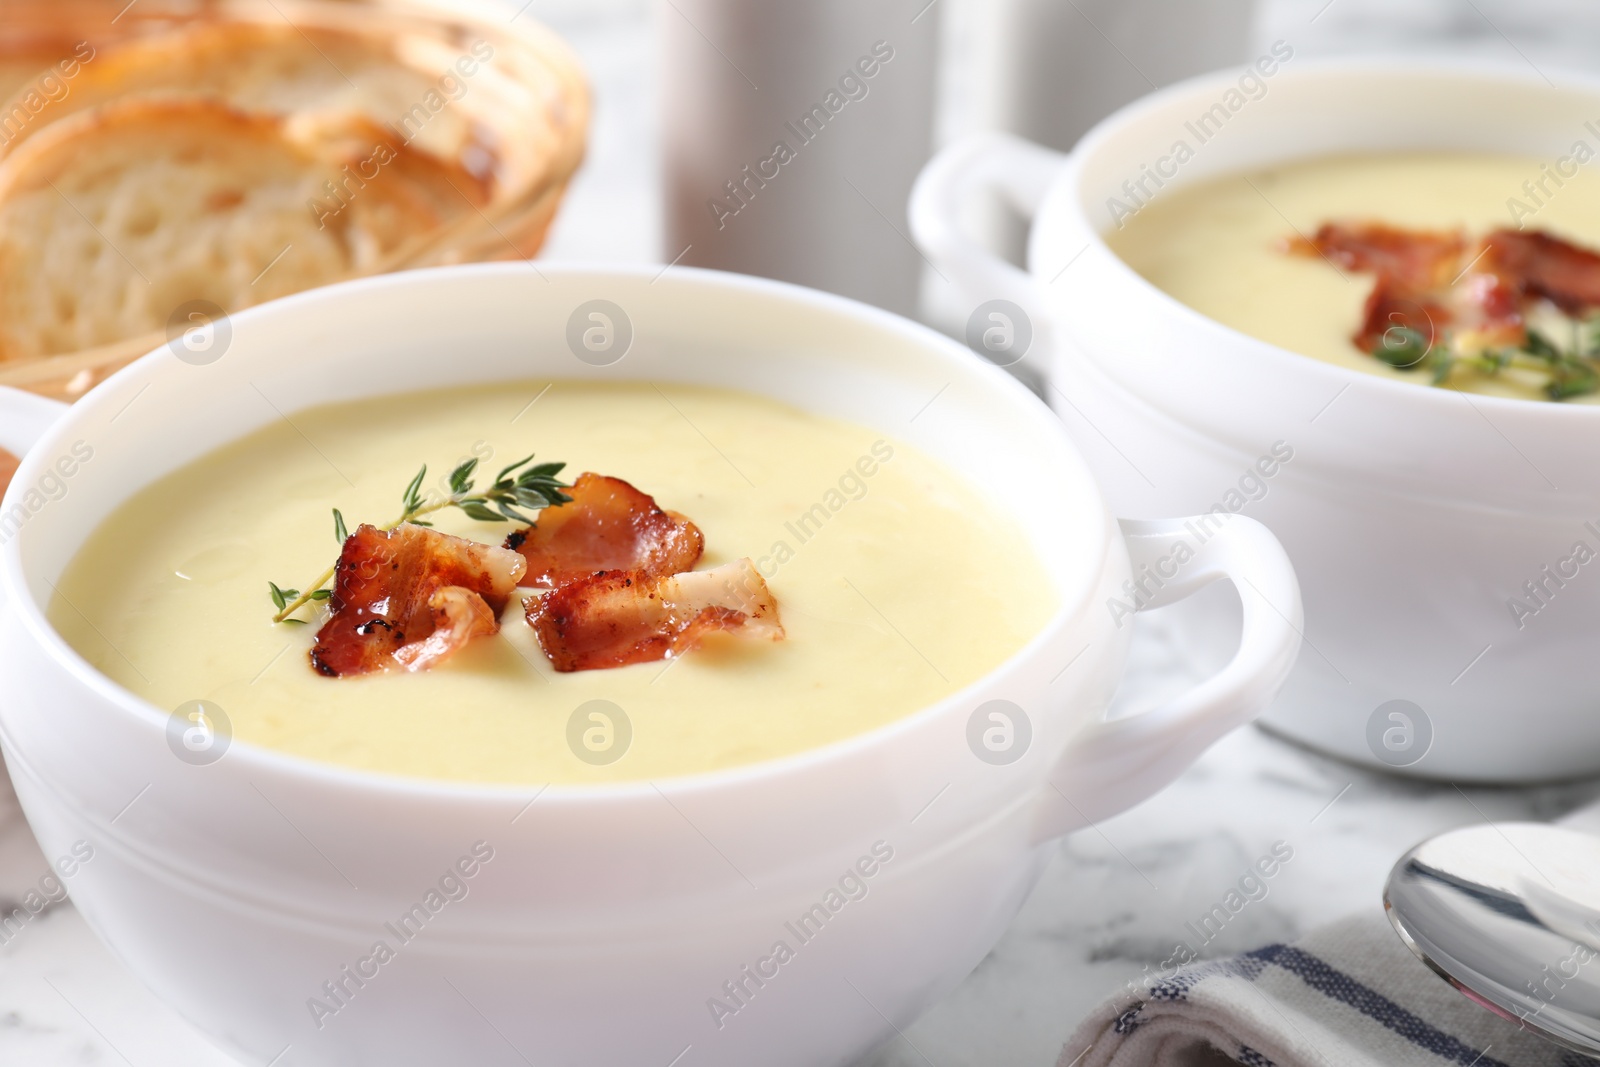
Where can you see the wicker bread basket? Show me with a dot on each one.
(519, 132)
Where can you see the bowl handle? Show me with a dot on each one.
(985, 163)
(1113, 765)
(24, 417)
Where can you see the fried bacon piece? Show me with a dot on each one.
(615, 618)
(1390, 306)
(407, 599)
(1429, 281)
(8, 468)
(1544, 266)
(1415, 269)
(608, 526)
(1417, 259)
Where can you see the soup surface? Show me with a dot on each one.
(898, 583)
(1218, 246)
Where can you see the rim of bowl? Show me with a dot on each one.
(1064, 196)
(13, 586)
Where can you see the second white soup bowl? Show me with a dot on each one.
(1416, 516)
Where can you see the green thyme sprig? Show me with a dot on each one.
(516, 490)
(1574, 371)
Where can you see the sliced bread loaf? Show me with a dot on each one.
(114, 217)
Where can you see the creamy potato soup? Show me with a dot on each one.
(1220, 247)
(897, 581)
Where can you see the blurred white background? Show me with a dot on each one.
(1045, 69)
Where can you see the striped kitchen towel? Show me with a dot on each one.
(1349, 995)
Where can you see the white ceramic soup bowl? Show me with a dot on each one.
(616, 924)
(1416, 516)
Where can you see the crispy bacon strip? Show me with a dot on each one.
(615, 618)
(8, 468)
(408, 599)
(1390, 306)
(1414, 269)
(1428, 281)
(1544, 266)
(608, 526)
(1417, 259)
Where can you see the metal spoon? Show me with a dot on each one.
(1509, 914)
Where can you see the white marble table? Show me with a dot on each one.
(1113, 899)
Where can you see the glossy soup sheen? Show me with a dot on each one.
(898, 583)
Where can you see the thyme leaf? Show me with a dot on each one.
(1570, 373)
(1539, 346)
(517, 489)
(1403, 348)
